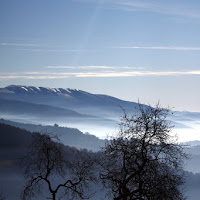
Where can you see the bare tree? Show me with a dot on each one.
(144, 162)
(63, 170)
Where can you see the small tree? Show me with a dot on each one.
(63, 171)
(143, 162)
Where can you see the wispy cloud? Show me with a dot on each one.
(162, 7)
(171, 8)
(138, 73)
(89, 67)
(177, 48)
(22, 44)
(102, 74)
(33, 77)
(53, 50)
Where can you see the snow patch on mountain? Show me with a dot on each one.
(21, 89)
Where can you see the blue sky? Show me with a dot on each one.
(131, 49)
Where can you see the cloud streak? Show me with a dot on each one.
(161, 7)
(25, 44)
(175, 48)
(102, 74)
(53, 50)
(170, 8)
(89, 67)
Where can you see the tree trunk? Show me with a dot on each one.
(54, 196)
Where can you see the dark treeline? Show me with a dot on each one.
(69, 136)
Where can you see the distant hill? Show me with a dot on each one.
(13, 142)
(68, 136)
(25, 108)
(46, 114)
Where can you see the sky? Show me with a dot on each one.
(130, 49)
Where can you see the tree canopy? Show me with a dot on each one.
(144, 162)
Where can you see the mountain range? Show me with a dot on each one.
(94, 113)
(78, 100)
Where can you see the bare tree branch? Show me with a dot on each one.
(47, 160)
(144, 158)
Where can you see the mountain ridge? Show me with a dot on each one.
(68, 92)
(101, 107)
